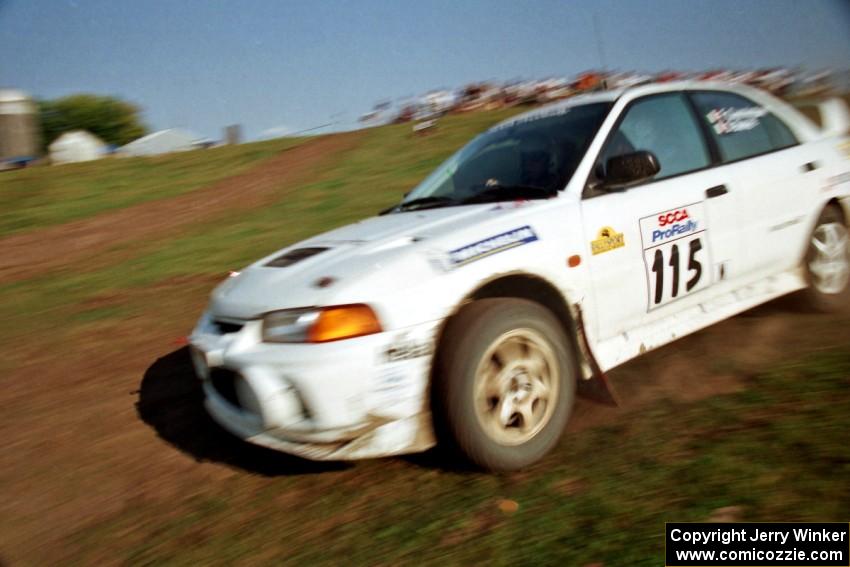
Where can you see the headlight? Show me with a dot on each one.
(319, 324)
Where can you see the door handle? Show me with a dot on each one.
(716, 191)
(811, 166)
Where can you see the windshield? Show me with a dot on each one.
(531, 158)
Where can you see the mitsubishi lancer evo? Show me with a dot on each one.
(555, 246)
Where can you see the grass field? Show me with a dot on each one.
(371, 177)
(110, 458)
(42, 196)
(776, 451)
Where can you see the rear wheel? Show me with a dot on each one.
(827, 263)
(505, 383)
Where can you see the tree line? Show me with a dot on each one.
(111, 119)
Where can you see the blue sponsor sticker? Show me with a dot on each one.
(492, 245)
(675, 231)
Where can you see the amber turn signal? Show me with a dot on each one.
(343, 322)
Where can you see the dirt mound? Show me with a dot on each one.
(30, 254)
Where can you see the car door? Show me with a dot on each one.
(778, 178)
(656, 247)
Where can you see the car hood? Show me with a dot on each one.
(430, 222)
(322, 269)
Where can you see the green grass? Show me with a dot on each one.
(777, 451)
(48, 195)
(372, 176)
(388, 163)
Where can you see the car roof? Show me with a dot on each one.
(632, 92)
(562, 106)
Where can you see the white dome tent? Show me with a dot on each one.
(76, 146)
(162, 142)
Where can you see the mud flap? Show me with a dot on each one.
(597, 388)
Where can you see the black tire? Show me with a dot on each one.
(815, 297)
(471, 335)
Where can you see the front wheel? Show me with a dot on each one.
(505, 383)
(827, 263)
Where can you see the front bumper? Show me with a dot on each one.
(356, 398)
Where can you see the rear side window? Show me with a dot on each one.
(665, 126)
(740, 127)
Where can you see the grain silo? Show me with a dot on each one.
(19, 129)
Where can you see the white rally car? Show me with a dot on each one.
(553, 247)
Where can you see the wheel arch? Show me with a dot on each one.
(842, 205)
(521, 285)
(535, 288)
(811, 297)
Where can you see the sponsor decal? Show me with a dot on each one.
(607, 240)
(730, 120)
(406, 348)
(548, 113)
(392, 384)
(675, 253)
(673, 224)
(492, 245)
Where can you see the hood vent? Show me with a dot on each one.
(293, 256)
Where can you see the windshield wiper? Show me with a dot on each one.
(495, 193)
(431, 202)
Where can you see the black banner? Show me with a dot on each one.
(758, 544)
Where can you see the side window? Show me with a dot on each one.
(740, 127)
(665, 126)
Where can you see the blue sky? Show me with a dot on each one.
(202, 64)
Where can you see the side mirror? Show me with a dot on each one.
(628, 169)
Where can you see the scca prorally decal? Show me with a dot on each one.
(673, 224)
(675, 253)
(492, 245)
(730, 120)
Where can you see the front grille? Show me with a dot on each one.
(225, 327)
(224, 382)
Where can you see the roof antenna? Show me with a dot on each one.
(600, 49)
